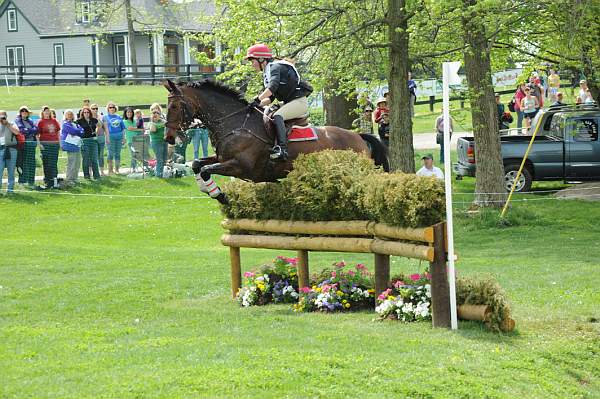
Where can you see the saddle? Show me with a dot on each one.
(301, 122)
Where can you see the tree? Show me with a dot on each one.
(334, 42)
(490, 181)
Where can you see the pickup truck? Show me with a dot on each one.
(566, 147)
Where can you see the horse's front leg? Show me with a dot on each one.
(208, 185)
(199, 163)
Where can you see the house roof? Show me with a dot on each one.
(58, 17)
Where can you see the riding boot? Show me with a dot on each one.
(279, 151)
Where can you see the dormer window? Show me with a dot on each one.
(84, 11)
(12, 20)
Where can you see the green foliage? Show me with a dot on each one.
(404, 199)
(339, 185)
(484, 291)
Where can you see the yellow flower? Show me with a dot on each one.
(344, 301)
(318, 289)
(391, 297)
(314, 287)
(339, 293)
(371, 290)
(347, 306)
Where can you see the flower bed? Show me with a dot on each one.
(346, 288)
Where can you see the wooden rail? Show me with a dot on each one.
(348, 236)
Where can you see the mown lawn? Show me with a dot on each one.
(121, 297)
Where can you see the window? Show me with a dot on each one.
(12, 20)
(59, 54)
(15, 56)
(84, 11)
(585, 130)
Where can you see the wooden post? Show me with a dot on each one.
(431, 103)
(153, 73)
(440, 292)
(303, 268)
(188, 72)
(86, 74)
(53, 75)
(382, 273)
(236, 270)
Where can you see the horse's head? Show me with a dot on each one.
(179, 113)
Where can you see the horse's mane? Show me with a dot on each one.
(219, 87)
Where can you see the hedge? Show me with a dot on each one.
(339, 185)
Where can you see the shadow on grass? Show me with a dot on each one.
(477, 331)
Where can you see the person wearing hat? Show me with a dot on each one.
(282, 82)
(30, 131)
(504, 117)
(364, 124)
(381, 108)
(428, 170)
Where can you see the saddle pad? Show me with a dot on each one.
(302, 133)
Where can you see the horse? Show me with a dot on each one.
(241, 138)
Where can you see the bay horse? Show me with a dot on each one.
(241, 140)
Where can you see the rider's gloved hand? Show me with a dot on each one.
(254, 104)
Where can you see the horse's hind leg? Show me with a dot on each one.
(208, 185)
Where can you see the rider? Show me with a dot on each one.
(282, 82)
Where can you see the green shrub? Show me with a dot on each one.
(484, 291)
(327, 185)
(339, 185)
(404, 199)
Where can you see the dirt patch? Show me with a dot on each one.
(586, 191)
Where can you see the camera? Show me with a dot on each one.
(2, 117)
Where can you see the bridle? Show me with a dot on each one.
(186, 112)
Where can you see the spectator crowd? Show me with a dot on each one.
(88, 138)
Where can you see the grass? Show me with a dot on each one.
(129, 297)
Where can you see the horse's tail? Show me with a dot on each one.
(379, 151)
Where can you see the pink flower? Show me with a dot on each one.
(292, 261)
(351, 273)
(415, 277)
(360, 266)
(399, 284)
(248, 274)
(333, 274)
(326, 288)
(305, 290)
(427, 276)
(340, 265)
(384, 294)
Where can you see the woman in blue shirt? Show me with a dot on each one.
(30, 131)
(115, 137)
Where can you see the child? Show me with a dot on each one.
(381, 108)
(139, 118)
(384, 129)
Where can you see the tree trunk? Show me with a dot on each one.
(339, 110)
(490, 171)
(401, 139)
(131, 36)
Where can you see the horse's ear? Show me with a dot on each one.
(171, 86)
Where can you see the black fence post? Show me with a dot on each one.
(20, 73)
(86, 74)
(153, 73)
(188, 71)
(431, 102)
(53, 75)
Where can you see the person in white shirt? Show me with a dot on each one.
(428, 170)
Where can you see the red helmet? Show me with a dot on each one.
(259, 51)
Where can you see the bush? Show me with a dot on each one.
(404, 200)
(327, 185)
(339, 185)
(485, 291)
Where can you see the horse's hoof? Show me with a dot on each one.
(222, 198)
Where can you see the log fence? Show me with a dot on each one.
(428, 243)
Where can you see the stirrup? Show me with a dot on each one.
(278, 153)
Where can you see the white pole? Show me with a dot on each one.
(16, 80)
(7, 85)
(448, 188)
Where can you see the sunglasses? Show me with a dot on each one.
(156, 113)
(94, 109)
(112, 107)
